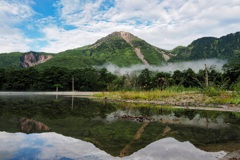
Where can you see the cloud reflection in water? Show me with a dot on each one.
(46, 146)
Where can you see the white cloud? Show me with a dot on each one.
(55, 146)
(13, 41)
(60, 39)
(11, 37)
(163, 23)
(169, 68)
(14, 11)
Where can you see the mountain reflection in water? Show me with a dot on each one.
(80, 128)
(50, 146)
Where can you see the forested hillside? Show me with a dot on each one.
(91, 79)
(209, 47)
(11, 60)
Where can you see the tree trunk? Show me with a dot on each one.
(206, 76)
(73, 84)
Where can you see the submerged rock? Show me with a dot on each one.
(30, 125)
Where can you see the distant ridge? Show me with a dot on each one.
(125, 49)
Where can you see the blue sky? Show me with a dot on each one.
(57, 25)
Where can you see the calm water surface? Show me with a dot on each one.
(50, 127)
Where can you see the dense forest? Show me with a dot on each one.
(91, 79)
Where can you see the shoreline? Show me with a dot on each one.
(67, 93)
(201, 106)
(183, 105)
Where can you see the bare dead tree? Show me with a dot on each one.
(206, 76)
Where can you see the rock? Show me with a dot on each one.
(32, 58)
(30, 125)
(232, 156)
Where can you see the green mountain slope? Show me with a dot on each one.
(124, 49)
(10, 60)
(119, 48)
(209, 47)
(110, 49)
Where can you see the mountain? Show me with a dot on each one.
(124, 49)
(11, 60)
(119, 48)
(208, 47)
(23, 60)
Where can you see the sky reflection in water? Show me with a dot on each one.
(46, 146)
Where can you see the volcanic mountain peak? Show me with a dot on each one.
(128, 37)
(122, 34)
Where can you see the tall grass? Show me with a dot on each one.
(212, 91)
(146, 95)
(211, 95)
(139, 95)
(182, 89)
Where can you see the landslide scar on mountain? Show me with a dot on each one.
(32, 58)
(141, 56)
(128, 38)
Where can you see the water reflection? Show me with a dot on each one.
(170, 118)
(55, 146)
(119, 130)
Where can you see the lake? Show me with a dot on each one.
(65, 127)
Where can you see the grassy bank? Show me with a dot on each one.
(173, 96)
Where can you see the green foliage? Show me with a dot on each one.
(87, 79)
(187, 78)
(90, 79)
(232, 69)
(140, 95)
(68, 61)
(144, 79)
(211, 91)
(208, 47)
(10, 60)
(237, 88)
(181, 89)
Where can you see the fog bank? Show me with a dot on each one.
(170, 67)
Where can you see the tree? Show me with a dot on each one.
(187, 78)
(57, 86)
(2, 78)
(161, 80)
(145, 79)
(232, 69)
(55, 75)
(106, 77)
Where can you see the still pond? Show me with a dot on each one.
(65, 128)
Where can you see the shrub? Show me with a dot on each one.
(212, 91)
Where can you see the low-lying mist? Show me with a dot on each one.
(170, 67)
